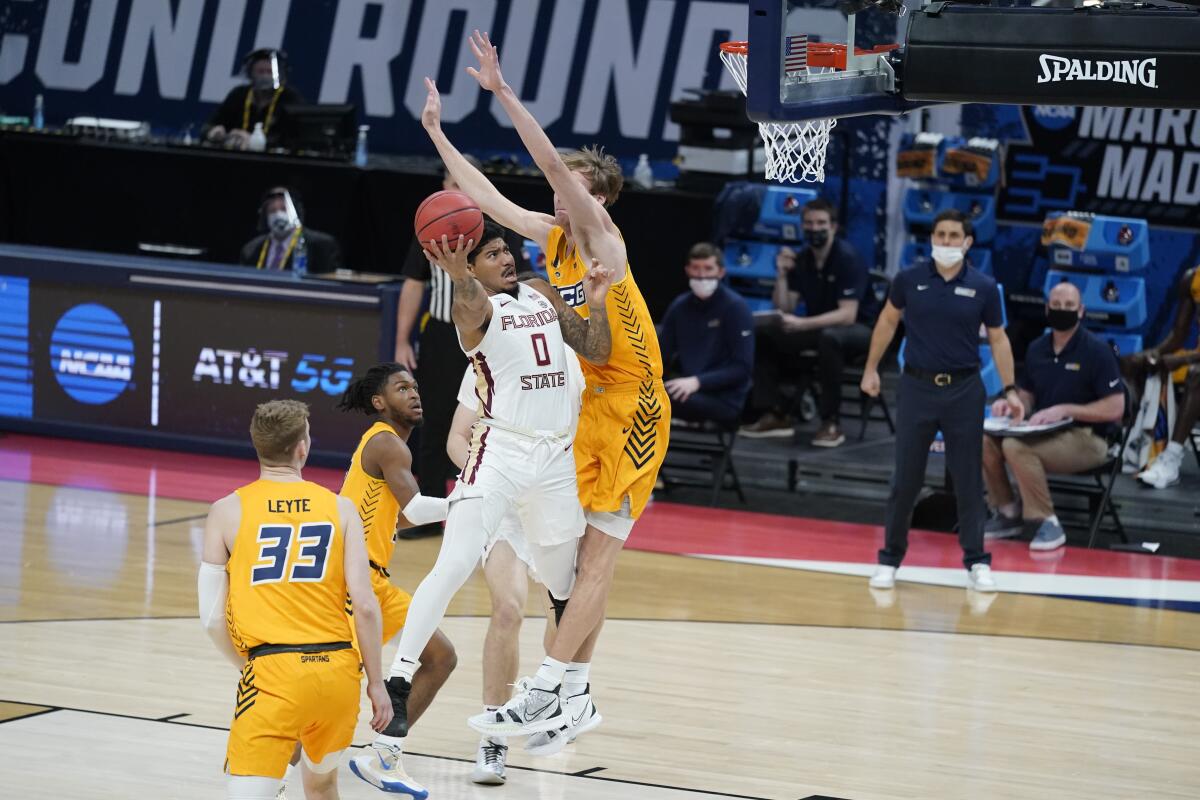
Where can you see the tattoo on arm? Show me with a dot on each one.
(470, 307)
(590, 338)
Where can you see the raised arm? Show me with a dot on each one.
(470, 310)
(591, 338)
(591, 226)
(530, 224)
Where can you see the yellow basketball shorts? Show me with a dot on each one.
(621, 443)
(288, 697)
(393, 605)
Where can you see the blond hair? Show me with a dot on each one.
(276, 428)
(602, 171)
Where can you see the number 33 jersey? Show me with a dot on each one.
(287, 584)
(521, 365)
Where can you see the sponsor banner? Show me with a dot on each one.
(161, 363)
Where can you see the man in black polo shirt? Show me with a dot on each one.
(839, 309)
(1069, 374)
(943, 305)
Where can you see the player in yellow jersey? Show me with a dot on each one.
(625, 419)
(381, 485)
(280, 556)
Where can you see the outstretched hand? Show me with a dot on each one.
(431, 115)
(596, 283)
(453, 260)
(488, 74)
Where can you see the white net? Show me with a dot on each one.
(795, 150)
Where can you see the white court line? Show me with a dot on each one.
(1018, 582)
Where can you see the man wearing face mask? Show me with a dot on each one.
(839, 309)
(707, 342)
(943, 303)
(259, 102)
(1069, 374)
(284, 233)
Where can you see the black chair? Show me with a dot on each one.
(698, 449)
(1096, 484)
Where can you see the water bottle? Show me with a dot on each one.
(300, 259)
(360, 150)
(643, 176)
(39, 113)
(258, 139)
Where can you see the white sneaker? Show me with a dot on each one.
(1164, 471)
(380, 765)
(980, 578)
(489, 762)
(582, 717)
(282, 793)
(884, 577)
(530, 711)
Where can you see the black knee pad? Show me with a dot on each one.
(560, 607)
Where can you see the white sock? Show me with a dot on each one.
(404, 668)
(394, 742)
(576, 679)
(549, 675)
(1175, 449)
(1010, 510)
(1053, 520)
(289, 774)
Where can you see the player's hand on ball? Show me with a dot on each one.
(453, 260)
(597, 283)
(488, 74)
(381, 706)
(870, 382)
(431, 115)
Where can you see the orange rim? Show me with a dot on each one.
(820, 54)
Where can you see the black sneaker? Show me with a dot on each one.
(398, 689)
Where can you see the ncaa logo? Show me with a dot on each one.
(1054, 118)
(91, 353)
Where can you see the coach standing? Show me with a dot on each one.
(943, 304)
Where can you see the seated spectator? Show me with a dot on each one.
(707, 341)
(261, 100)
(279, 216)
(1069, 373)
(1166, 359)
(839, 310)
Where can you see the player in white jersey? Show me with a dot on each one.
(520, 454)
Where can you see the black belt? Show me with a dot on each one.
(940, 378)
(272, 649)
(382, 570)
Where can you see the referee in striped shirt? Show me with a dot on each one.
(437, 361)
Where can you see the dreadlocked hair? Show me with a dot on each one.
(358, 394)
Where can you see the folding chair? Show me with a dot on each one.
(698, 449)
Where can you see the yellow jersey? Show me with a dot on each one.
(287, 583)
(635, 353)
(1196, 286)
(377, 506)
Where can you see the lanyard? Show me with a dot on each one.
(270, 109)
(262, 254)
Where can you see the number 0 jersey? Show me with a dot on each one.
(287, 584)
(521, 365)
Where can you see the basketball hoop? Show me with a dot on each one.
(795, 150)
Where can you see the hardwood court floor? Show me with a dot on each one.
(715, 678)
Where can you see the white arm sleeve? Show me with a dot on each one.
(422, 510)
(212, 588)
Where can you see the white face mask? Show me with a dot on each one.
(703, 287)
(279, 222)
(947, 256)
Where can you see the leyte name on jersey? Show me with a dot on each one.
(518, 321)
(288, 506)
(545, 380)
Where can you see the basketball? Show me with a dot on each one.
(448, 214)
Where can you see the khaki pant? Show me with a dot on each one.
(1073, 450)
